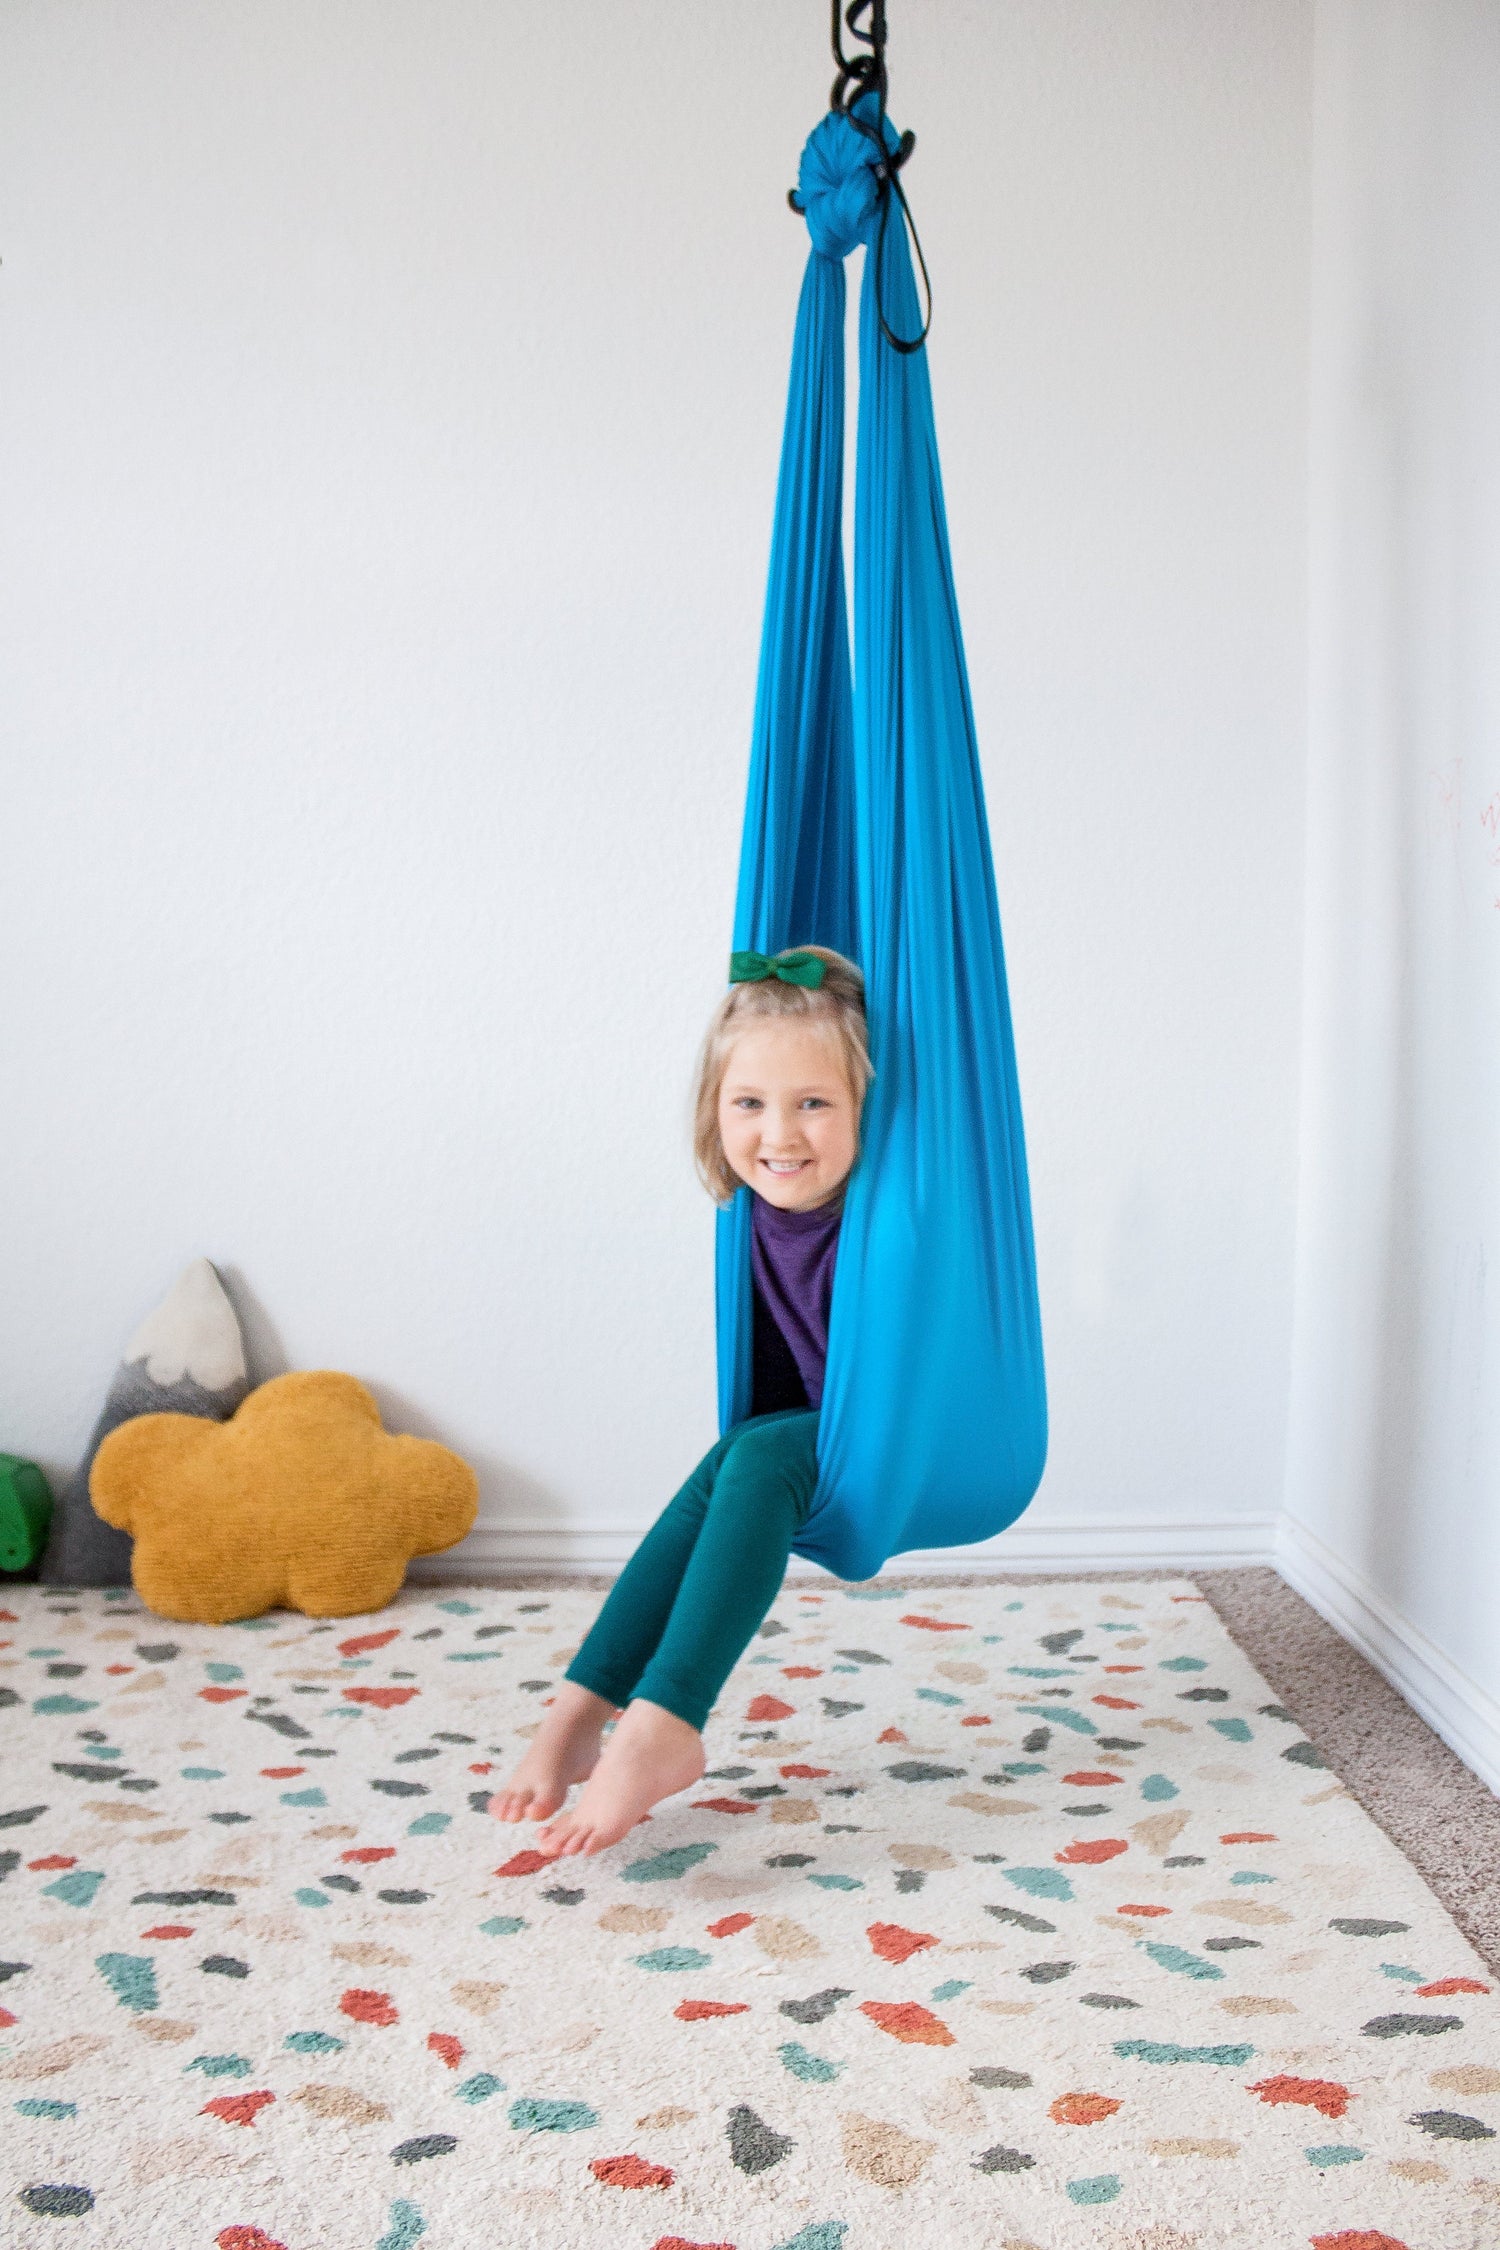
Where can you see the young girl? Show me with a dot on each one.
(783, 1076)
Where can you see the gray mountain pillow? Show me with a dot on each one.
(187, 1357)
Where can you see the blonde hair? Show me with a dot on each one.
(836, 1006)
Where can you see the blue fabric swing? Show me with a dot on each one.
(865, 830)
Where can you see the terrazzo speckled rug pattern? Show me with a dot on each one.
(1001, 1919)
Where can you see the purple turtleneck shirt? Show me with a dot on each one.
(792, 1256)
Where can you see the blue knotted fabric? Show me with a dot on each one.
(865, 829)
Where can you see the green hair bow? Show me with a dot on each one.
(791, 968)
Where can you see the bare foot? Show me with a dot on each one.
(564, 1749)
(651, 1754)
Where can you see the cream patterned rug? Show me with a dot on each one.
(1000, 1920)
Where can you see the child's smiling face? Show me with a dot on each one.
(787, 1115)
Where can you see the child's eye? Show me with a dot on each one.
(746, 1101)
(815, 1101)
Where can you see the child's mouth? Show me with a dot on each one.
(782, 1168)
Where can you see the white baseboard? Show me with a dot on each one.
(1454, 1706)
(1034, 1543)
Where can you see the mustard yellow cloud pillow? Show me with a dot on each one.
(300, 1501)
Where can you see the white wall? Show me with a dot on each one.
(393, 394)
(1394, 1458)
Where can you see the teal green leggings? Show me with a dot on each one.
(705, 1574)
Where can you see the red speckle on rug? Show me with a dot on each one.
(893, 1943)
(525, 1863)
(368, 2007)
(221, 1694)
(769, 1707)
(446, 2048)
(1126, 1668)
(699, 2011)
(7, 2019)
(892, 1734)
(246, 2238)
(801, 1671)
(803, 1773)
(630, 2172)
(365, 1855)
(1143, 1910)
(936, 1624)
(383, 1698)
(281, 1773)
(1325, 2095)
(53, 1859)
(1355, 2238)
(1117, 1703)
(730, 1924)
(167, 1930)
(237, 2109)
(360, 1644)
(1445, 1985)
(722, 1804)
(1082, 2109)
(977, 1721)
(681, 2242)
(1090, 1780)
(908, 2021)
(1091, 1851)
(484, 1766)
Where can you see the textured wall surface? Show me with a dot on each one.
(393, 398)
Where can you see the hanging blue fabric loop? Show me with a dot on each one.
(866, 830)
